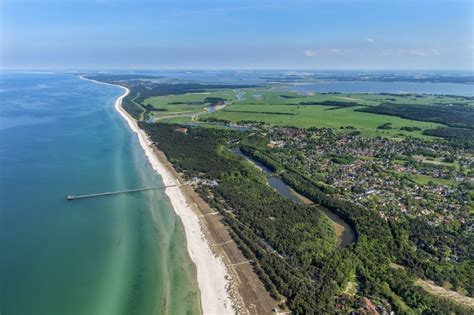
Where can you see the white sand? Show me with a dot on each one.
(212, 274)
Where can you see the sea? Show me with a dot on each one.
(123, 254)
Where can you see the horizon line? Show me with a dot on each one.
(232, 69)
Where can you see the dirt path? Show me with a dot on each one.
(431, 287)
(434, 289)
(348, 98)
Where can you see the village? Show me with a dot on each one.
(396, 178)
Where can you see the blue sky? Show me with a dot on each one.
(237, 34)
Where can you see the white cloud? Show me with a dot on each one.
(323, 52)
(335, 51)
(310, 53)
(420, 52)
(370, 40)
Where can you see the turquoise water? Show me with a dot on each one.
(122, 254)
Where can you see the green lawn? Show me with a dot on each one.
(425, 179)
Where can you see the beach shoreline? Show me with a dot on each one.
(212, 274)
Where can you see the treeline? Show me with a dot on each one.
(135, 110)
(450, 133)
(151, 108)
(331, 103)
(208, 100)
(188, 103)
(385, 126)
(214, 100)
(289, 96)
(215, 120)
(461, 136)
(410, 128)
(461, 116)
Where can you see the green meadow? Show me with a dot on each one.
(184, 103)
(275, 106)
(274, 95)
(285, 109)
(323, 117)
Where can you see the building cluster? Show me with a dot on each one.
(395, 178)
(350, 304)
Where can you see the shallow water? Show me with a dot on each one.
(121, 254)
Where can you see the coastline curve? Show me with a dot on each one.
(212, 274)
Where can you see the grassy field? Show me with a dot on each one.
(274, 96)
(306, 116)
(283, 108)
(184, 103)
(425, 179)
(375, 99)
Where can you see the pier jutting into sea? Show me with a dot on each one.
(73, 197)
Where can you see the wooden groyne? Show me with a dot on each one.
(108, 193)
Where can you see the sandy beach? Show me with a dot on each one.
(212, 274)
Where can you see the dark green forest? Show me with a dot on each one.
(456, 115)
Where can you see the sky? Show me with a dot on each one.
(237, 34)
